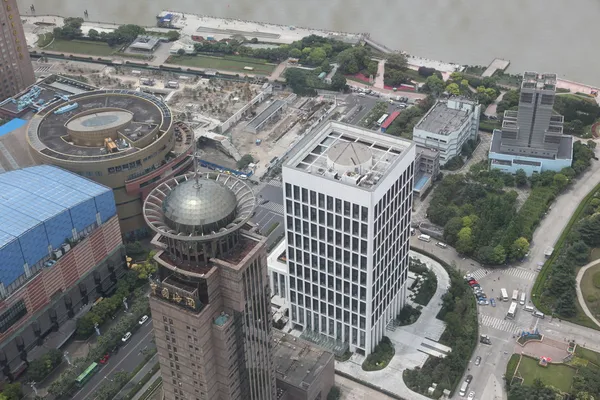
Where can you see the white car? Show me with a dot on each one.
(471, 395)
(143, 319)
(126, 337)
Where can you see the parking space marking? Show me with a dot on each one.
(500, 324)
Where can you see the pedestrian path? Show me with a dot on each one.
(500, 324)
(514, 271)
(271, 206)
(275, 182)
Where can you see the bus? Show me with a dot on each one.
(86, 375)
(504, 294)
(383, 118)
(515, 295)
(512, 310)
(425, 238)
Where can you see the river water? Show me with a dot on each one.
(540, 35)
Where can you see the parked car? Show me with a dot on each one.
(143, 319)
(126, 337)
(473, 282)
(104, 358)
(478, 360)
(493, 302)
(469, 378)
(471, 395)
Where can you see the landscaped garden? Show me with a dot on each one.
(578, 378)
(229, 63)
(380, 357)
(590, 288)
(80, 47)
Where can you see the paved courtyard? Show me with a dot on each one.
(408, 342)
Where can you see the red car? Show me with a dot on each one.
(473, 282)
(104, 358)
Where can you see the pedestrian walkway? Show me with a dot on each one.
(580, 298)
(500, 324)
(271, 206)
(275, 182)
(520, 273)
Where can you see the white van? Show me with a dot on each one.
(442, 245)
(515, 295)
(529, 309)
(522, 301)
(538, 314)
(425, 238)
(463, 389)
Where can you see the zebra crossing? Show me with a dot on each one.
(520, 273)
(276, 208)
(275, 182)
(43, 67)
(500, 324)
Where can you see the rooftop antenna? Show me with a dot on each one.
(196, 177)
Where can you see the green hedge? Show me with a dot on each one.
(511, 368)
(538, 286)
(380, 357)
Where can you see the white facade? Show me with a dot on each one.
(278, 271)
(347, 229)
(447, 126)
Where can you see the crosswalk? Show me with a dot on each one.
(275, 182)
(520, 273)
(43, 67)
(276, 208)
(500, 324)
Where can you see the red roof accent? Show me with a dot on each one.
(388, 121)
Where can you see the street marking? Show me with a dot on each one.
(271, 206)
(514, 271)
(478, 274)
(275, 182)
(500, 324)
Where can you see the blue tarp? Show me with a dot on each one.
(11, 126)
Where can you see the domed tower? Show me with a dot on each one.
(211, 296)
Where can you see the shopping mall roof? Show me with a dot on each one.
(33, 195)
(47, 133)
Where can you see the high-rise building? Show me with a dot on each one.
(16, 71)
(210, 300)
(348, 198)
(61, 249)
(532, 138)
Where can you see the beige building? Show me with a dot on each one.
(210, 300)
(123, 139)
(304, 371)
(16, 71)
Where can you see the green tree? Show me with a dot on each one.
(396, 61)
(338, 82)
(453, 89)
(145, 269)
(434, 85)
(499, 255)
(317, 56)
(560, 181)
(180, 52)
(243, 162)
(93, 34)
(12, 391)
(521, 178)
(452, 228)
(173, 36)
(464, 244)
(519, 248)
(295, 53)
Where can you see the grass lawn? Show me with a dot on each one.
(559, 376)
(595, 255)
(590, 288)
(81, 47)
(588, 354)
(414, 75)
(44, 39)
(475, 70)
(229, 63)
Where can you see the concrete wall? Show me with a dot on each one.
(242, 111)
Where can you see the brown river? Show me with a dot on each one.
(539, 35)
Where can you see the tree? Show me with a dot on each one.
(93, 34)
(464, 244)
(173, 36)
(145, 269)
(521, 178)
(338, 82)
(317, 56)
(560, 181)
(396, 61)
(394, 77)
(181, 52)
(12, 391)
(246, 160)
(295, 53)
(519, 248)
(499, 256)
(434, 85)
(453, 89)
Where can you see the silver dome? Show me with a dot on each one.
(199, 207)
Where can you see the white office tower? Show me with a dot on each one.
(348, 199)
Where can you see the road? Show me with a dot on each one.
(127, 359)
(488, 377)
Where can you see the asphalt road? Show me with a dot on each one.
(127, 359)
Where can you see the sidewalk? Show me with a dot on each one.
(138, 377)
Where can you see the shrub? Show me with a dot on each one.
(380, 357)
(408, 315)
(41, 367)
(334, 393)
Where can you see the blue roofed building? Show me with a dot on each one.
(60, 247)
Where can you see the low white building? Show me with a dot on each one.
(447, 126)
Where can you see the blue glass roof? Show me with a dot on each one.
(33, 195)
